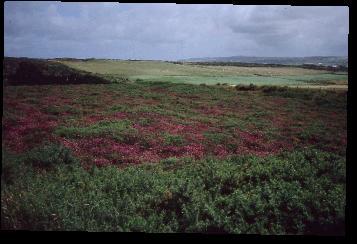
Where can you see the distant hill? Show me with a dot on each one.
(316, 60)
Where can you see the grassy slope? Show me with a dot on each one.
(197, 74)
(199, 139)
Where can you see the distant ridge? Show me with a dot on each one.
(316, 60)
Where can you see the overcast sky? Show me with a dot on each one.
(170, 31)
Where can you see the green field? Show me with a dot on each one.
(210, 75)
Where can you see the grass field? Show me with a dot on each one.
(168, 157)
(210, 75)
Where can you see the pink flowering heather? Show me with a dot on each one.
(17, 134)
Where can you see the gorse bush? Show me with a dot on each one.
(57, 110)
(11, 168)
(145, 121)
(250, 87)
(217, 137)
(293, 193)
(272, 89)
(173, 140)
(49, 155)
(320, 98)
(26, 71)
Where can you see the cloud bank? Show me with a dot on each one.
(170, 31)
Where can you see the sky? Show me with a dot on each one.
(172, 32)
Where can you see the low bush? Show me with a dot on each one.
(302, 192)
(173, 140)
(57, 110)
(49, 155)
(26, 71)
(145, 121)
(251, 87)
(322, 98)
(272, 89)
(172, 161)
(216, 137)
(119, 130)
(12, 168)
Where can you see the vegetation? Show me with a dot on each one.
(334, 68)
(49, 155)
(198, 73)
(173, 157)
(24, 71)
(297, 193)
(316, 61)
(118, 130)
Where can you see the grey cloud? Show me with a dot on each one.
(169, 31)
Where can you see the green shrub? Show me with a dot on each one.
(49, 155)
(119, 130)
(321, 98)
(145, 121)
(56, 110)
(119, 108)
(216, 137)
(11, 169)
(170, 161)
(174, 140)
(300, 192)
(25, 71)
(155, 96)
(269, 89)
(251, 87)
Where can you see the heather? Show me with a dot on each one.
(153, 156)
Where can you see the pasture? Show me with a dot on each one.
(211, 75)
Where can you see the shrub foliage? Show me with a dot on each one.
(292, 193)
